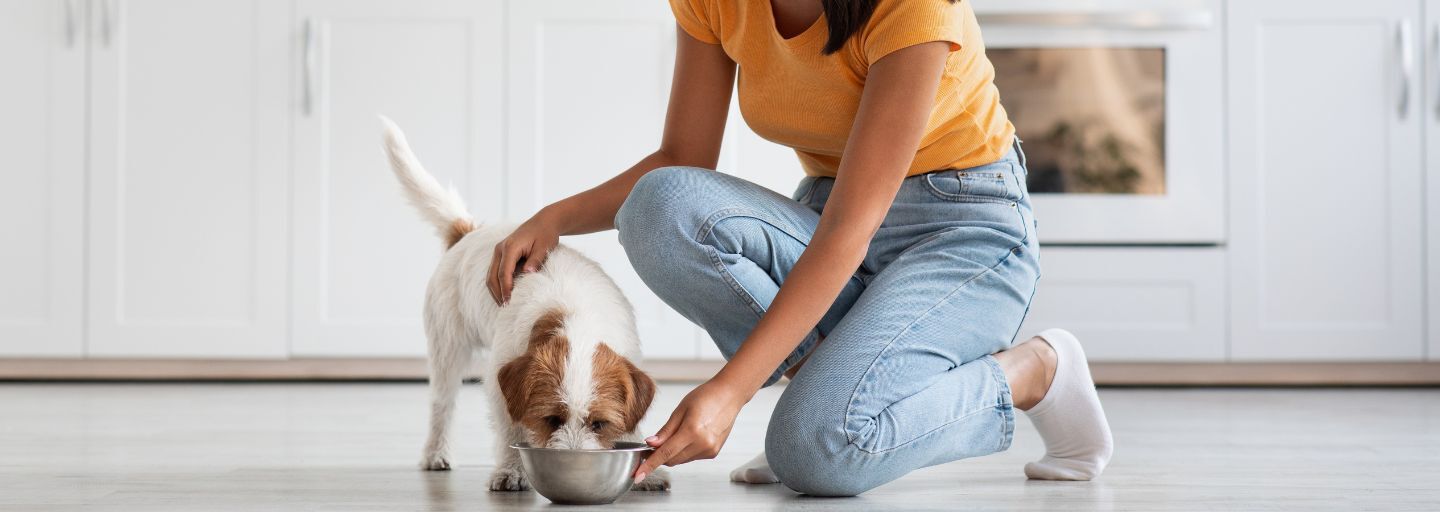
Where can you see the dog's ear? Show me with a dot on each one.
(638, 401)
(511, 381)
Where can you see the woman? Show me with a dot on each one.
(892, 284)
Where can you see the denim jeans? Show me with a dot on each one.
(904, 378)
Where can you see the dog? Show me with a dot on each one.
(560, 370)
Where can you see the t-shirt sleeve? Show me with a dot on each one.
(899, 24)
(696, 17)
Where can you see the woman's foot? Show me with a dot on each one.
(1029, 368)
(1050, 381)
(757, 471)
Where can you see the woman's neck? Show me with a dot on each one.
(792, 17)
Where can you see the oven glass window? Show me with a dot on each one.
(1093, 119)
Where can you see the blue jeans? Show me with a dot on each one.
(904, 378)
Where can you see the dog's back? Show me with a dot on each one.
(567, 282)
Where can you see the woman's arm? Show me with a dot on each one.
(694, 127)
(894, 110)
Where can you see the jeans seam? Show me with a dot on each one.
(738, 289)
(1004, 403)
(850, 405)
(1028, 302)
(715, 218)
(735, 286)
(928, 432)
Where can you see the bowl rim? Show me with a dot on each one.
(637, 447)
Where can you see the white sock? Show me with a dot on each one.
(1070, 420)
(757, 471)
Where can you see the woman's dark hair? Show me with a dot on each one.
(846, 17)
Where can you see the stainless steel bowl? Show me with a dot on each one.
(582, 477)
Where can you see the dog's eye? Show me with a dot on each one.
(554, 421)
(598, 425)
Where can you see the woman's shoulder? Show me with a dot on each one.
(898, 24)
(708, 20)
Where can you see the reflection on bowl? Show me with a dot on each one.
(582, 477)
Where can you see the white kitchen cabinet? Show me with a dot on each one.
(1325, 112)
(589, 83)
(187, 178)
(1134, 304)
(42, 138)
(362, 256)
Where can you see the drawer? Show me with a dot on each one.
(1134, 304)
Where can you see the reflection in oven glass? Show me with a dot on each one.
(1093, 119)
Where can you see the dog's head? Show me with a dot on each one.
(577, 396)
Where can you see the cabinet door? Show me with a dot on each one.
(42, 138)
(1325, 169)
(1432, 176)
(362, 255)
(187, 179)
(588, 88)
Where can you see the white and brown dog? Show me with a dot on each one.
(559, 371)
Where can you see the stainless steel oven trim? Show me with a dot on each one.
(1129, 20)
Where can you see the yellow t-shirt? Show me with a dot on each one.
(792, 95)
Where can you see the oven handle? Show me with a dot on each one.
(311, 62)
(1131, 20)
(1405, 54)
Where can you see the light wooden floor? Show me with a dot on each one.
(270, 447)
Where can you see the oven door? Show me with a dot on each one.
(1119, 106)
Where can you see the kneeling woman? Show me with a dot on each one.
(889, 288)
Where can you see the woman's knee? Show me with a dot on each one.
(658, 200)
(813, 456)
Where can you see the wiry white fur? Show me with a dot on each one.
(440, 206)
(462, 319)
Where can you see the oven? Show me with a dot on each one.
(1119, 107)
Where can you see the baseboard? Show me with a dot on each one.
(412, 369)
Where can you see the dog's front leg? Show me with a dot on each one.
(448, 359)
(509, 474)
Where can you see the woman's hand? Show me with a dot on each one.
(698, 427)
(529, 244)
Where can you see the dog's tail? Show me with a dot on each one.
(442, 207)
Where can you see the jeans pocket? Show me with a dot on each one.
(979, 185)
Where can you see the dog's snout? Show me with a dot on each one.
(574, 437)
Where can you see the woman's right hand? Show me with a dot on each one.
(523, 251)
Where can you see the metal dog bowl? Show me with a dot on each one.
(582, 477)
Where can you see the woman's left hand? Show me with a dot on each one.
(698, 427)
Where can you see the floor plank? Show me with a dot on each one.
(354, 447)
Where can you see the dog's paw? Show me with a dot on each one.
(757, 471)
(436, 461)
(508, 479)
(657, 481)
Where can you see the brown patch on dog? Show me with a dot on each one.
(458, 229)
(531, 383)
(622, 395)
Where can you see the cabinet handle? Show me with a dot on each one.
(109, 22)
(1435, 52)
(72, 23)
(311, 62)
(1407, 65)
